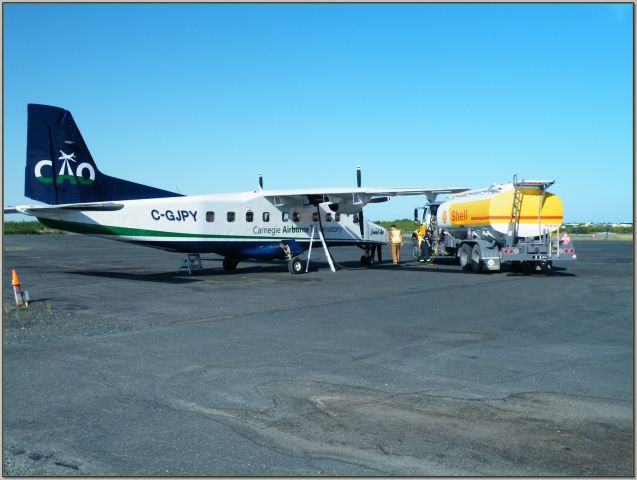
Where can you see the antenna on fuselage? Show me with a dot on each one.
(260, 181)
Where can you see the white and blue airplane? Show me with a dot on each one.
(263, 224)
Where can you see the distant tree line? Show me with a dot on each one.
(599, 228)
(408, 225)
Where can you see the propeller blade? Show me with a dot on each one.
(361, 218)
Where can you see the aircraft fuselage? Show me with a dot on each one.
(245, 225)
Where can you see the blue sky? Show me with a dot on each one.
(201, 98)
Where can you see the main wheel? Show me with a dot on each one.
(415, 250)
(230, 263)
(476, 259)
(365, 260)
(465, 256)
(527, 268)
(547, 267)
(295, 266)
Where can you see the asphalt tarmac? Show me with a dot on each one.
(122, 366)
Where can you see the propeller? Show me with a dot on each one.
(361, 218)
(370, 248)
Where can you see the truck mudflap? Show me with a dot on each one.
(490, 256)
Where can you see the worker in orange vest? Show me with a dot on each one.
(396, 241)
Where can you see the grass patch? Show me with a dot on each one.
(27, 228)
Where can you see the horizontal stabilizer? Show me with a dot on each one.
(82, 207)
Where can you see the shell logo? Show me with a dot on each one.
(444, 217)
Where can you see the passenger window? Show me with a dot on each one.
(315, 217)
(210, 216)
(249, 216)
(285, 217)
(337, 216)
(296, 216)
(230, 216)
(328, 217)
(266, 216)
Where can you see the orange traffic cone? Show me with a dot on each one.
(17, 291)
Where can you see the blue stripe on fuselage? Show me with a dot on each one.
(256, 250)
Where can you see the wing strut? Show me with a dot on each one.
(327, 252)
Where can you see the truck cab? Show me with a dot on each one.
(424, 217)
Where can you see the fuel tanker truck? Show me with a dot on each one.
(515, 224)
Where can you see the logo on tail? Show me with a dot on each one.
(66, 172)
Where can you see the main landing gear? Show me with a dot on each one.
(295, 265)
(368, 258)
(230, 264)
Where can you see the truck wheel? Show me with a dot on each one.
(547, 267)
(476, 259)
(415, 251)
(465, 256)
(295, 265)
(528, 268)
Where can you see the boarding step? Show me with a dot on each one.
(191, 261)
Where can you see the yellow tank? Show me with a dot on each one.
(490, 209)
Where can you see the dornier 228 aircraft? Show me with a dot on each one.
(264, 224)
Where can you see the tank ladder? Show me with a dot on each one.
(542, 185)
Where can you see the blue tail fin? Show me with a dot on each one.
(60, 168)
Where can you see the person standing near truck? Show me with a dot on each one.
(425, 245)
(396, 241)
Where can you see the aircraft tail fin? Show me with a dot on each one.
(60, 168)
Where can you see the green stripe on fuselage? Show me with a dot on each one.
(95, 229)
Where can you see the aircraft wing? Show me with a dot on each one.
(82, 207)
(350, 200)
